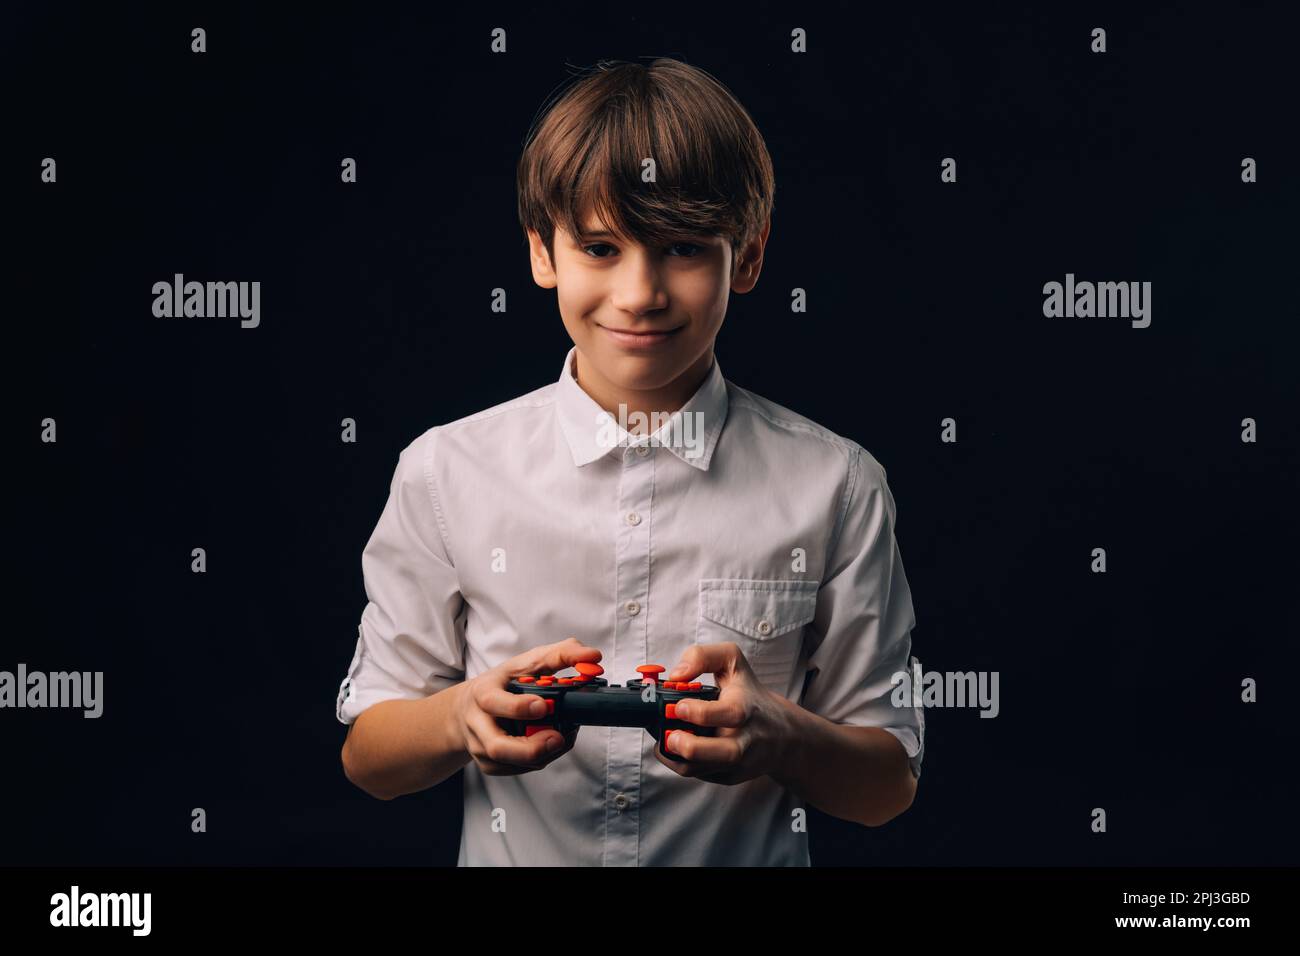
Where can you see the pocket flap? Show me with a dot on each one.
(761, 609)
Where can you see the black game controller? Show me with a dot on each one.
(587, 699)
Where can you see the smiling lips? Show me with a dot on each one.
(639, 340)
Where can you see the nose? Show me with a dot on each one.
(638, 286)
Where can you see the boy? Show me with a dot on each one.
(738, 541)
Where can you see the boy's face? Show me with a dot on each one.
(643, 319)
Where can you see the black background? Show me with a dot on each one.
(1119, 690)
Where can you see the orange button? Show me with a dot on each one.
(694, 685)
(526, 679)
(650, 671)
(566, 680)
(550, 704)
(671, 711)
(545, 681)
(589, 670)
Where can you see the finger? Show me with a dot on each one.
(498, 746)
(531, 751)
(697, 771)
(715, 659)
(495, 769)
(566, 653)
(500, 702)
(730, 711)
(688, 768)
(679, 767)
(565, 746)
(475, 748)
(708, 753)
(552, 657)
(727, 779)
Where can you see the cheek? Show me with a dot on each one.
(570, 310)
(704, 297)
(704, 287)
(577, 299)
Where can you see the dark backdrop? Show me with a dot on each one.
(1119, 690)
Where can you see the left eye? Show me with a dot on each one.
(693, 250)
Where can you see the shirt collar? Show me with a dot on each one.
(691, 433)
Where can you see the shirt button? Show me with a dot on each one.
(621, 802)
(633, 518)
(765, 627)
(633, 608)
(642, 450)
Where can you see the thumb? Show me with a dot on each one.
(554, 657)
(715, 659)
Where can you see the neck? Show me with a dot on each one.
(666, 399)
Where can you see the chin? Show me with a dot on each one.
(643, 372)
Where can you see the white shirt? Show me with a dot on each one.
(526, 523)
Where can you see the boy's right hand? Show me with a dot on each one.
(486, 698)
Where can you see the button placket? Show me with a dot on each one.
(632, 588)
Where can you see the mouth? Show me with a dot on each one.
(640, 340)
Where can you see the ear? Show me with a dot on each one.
(540, 259)
(749, 263)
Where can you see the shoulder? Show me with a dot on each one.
(493, 427)
(787, 433)
(511, 411)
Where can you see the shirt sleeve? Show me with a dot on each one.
(411, 639)
(864, 619)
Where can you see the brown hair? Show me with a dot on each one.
(584, 152)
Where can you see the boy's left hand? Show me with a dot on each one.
(755, 725)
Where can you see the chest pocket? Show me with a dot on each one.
(765, 618)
